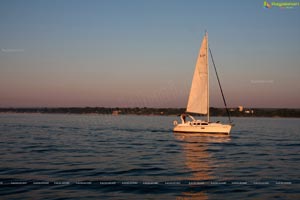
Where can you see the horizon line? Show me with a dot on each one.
(115, 107)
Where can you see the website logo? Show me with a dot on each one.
(267, 4)
(282, 5)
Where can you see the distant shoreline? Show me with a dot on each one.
(216, 112)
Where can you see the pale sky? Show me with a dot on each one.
(138, 53)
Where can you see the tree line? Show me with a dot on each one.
(255, 112)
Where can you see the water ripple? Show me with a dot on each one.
(262, 152)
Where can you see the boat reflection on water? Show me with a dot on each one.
(198, 160)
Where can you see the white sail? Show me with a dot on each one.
(198, 99)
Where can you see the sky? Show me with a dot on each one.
(142, 53)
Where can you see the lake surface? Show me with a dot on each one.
(61, 156)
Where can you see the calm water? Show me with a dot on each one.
(138, 157)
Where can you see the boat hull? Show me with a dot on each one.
(211, 128)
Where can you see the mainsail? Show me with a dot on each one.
(198, 99)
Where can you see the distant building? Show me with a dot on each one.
(249, 111)
(241, 108)
(115, 112)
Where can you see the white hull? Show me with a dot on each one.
(210, 128)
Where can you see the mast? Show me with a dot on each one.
(206, 35)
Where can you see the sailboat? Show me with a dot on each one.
(198, 102)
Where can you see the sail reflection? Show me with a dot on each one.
(198, 160)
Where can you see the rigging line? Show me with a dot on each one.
(212, 59)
